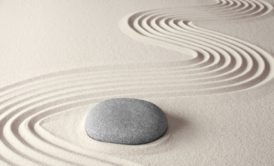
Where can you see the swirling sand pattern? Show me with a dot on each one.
(220, 64)
(243, 9)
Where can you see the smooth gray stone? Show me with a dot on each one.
(126, 121)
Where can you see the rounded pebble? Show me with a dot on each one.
(126, 121)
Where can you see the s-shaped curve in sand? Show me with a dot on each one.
(219, 64)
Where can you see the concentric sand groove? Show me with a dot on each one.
(242, 9)
(219, 64)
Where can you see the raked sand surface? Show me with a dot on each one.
(208, 64)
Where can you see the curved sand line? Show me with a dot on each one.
(243, 9)
(220, 64)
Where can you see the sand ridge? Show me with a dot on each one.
(222, 63)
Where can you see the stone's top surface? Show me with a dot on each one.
(126, 121)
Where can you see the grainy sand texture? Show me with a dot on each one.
(208, 64)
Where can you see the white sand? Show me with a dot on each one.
(208, 64)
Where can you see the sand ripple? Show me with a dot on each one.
(219, 64)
